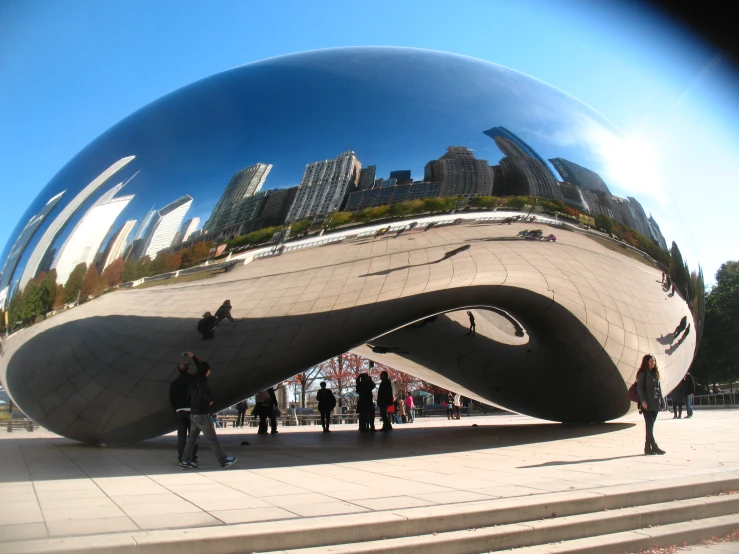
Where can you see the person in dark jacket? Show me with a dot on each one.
(365, 404)
(207, 326)
(326, 403)
(651, 400)
(274, 409)
(224, 312)
(450, 405)
(241, 409)
(201, 421)
(180, 402)
(678, 399)
(385, 400)
(688, 385)
(262, 410)
(472, 324)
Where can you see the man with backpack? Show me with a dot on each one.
(326, 404)
(200, 418)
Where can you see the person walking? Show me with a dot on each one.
(410, 409)
(207, 326)
(457, 406)
(241, 409)
(326, 403)
(224, 312)
(678, 399)
(472, 324)
(688, 385)
(650, 398)
(385, 400)
(179, 399)
(450, 405)
(200, 405)
(365, 404)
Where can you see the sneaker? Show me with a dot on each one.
(189, 465)
(228, 461)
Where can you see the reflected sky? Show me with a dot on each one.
(396, 108)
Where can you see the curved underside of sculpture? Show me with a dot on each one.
(561, 328)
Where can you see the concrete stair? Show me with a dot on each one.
(606, 520)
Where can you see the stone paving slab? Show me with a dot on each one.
(53, 487)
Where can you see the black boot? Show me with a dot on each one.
(656, 449)
(648, 449)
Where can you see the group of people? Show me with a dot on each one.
(207, 325)
(668, 283)
(683, 395)
(453, 405)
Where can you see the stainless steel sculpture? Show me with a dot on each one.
(560, 326)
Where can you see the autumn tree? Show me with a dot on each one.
(90, 284)
(304, 380)
(113, 274)
(73, 286)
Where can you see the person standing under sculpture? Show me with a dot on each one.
(457, 406)
(472, 324)
(179, 399)
(241, 409)
(262, 410)
(410, 408)
(385, 400)
(651, 400)
(207, 326)
(326, 404)
(688, 386)
(274, 410)
(678, 399)
(365, 404)
(200, 404)
(224, 312)
(449, 405)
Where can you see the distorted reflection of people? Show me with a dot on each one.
(224, 312)
(472, 324)
(207, 326)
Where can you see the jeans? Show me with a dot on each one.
(183, 431)
(649, 418)
(325, 419)
(411, 415)
(204, 424)
(385, 418)
(689, 404)
(240, 418)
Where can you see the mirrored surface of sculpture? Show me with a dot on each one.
(445, 216)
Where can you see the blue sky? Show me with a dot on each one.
(71, 70)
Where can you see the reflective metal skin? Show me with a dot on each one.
(560, 326)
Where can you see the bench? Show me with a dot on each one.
(26, 424)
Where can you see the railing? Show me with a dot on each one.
(227, 265)
(727, 399)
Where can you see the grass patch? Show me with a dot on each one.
(622, 250)
(182, 279)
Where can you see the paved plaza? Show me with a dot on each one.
(53, 487)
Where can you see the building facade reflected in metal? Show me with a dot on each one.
(277, 149)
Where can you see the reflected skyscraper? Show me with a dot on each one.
(243, 184)
(525, 172)
(325, 185)
(579, 175)
(164, 226)
(460, 173)
(83, 243)
(56, 226)
(367, 177)
(21, 244)
(117, 244)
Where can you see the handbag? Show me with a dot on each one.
(633, 393)
(390, 409)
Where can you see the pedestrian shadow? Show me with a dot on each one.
(446, 256)
(666, 339)
(575, 462)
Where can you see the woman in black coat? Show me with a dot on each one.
(650, 400)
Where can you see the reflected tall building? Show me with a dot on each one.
(188, 227)
(402, 176)
(460, 173)
(579, 175)
(117, 244)
(367, 177)
(325, 186)
(164, 226)
(60, 222)
(243, 184)
(524, 171)
(21, 244)
(85, 240)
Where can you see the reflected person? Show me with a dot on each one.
(224, 312)
(472, 324)
(651, 400)
(200, 404)
(207, 326)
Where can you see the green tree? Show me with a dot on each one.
(717, 360)
(299, 227)
(130, 271)
(604, 222)
(516, 202)
(73, 286)
(337, 219)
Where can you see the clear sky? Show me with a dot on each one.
(70, 70)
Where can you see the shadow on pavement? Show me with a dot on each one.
(575, 462)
